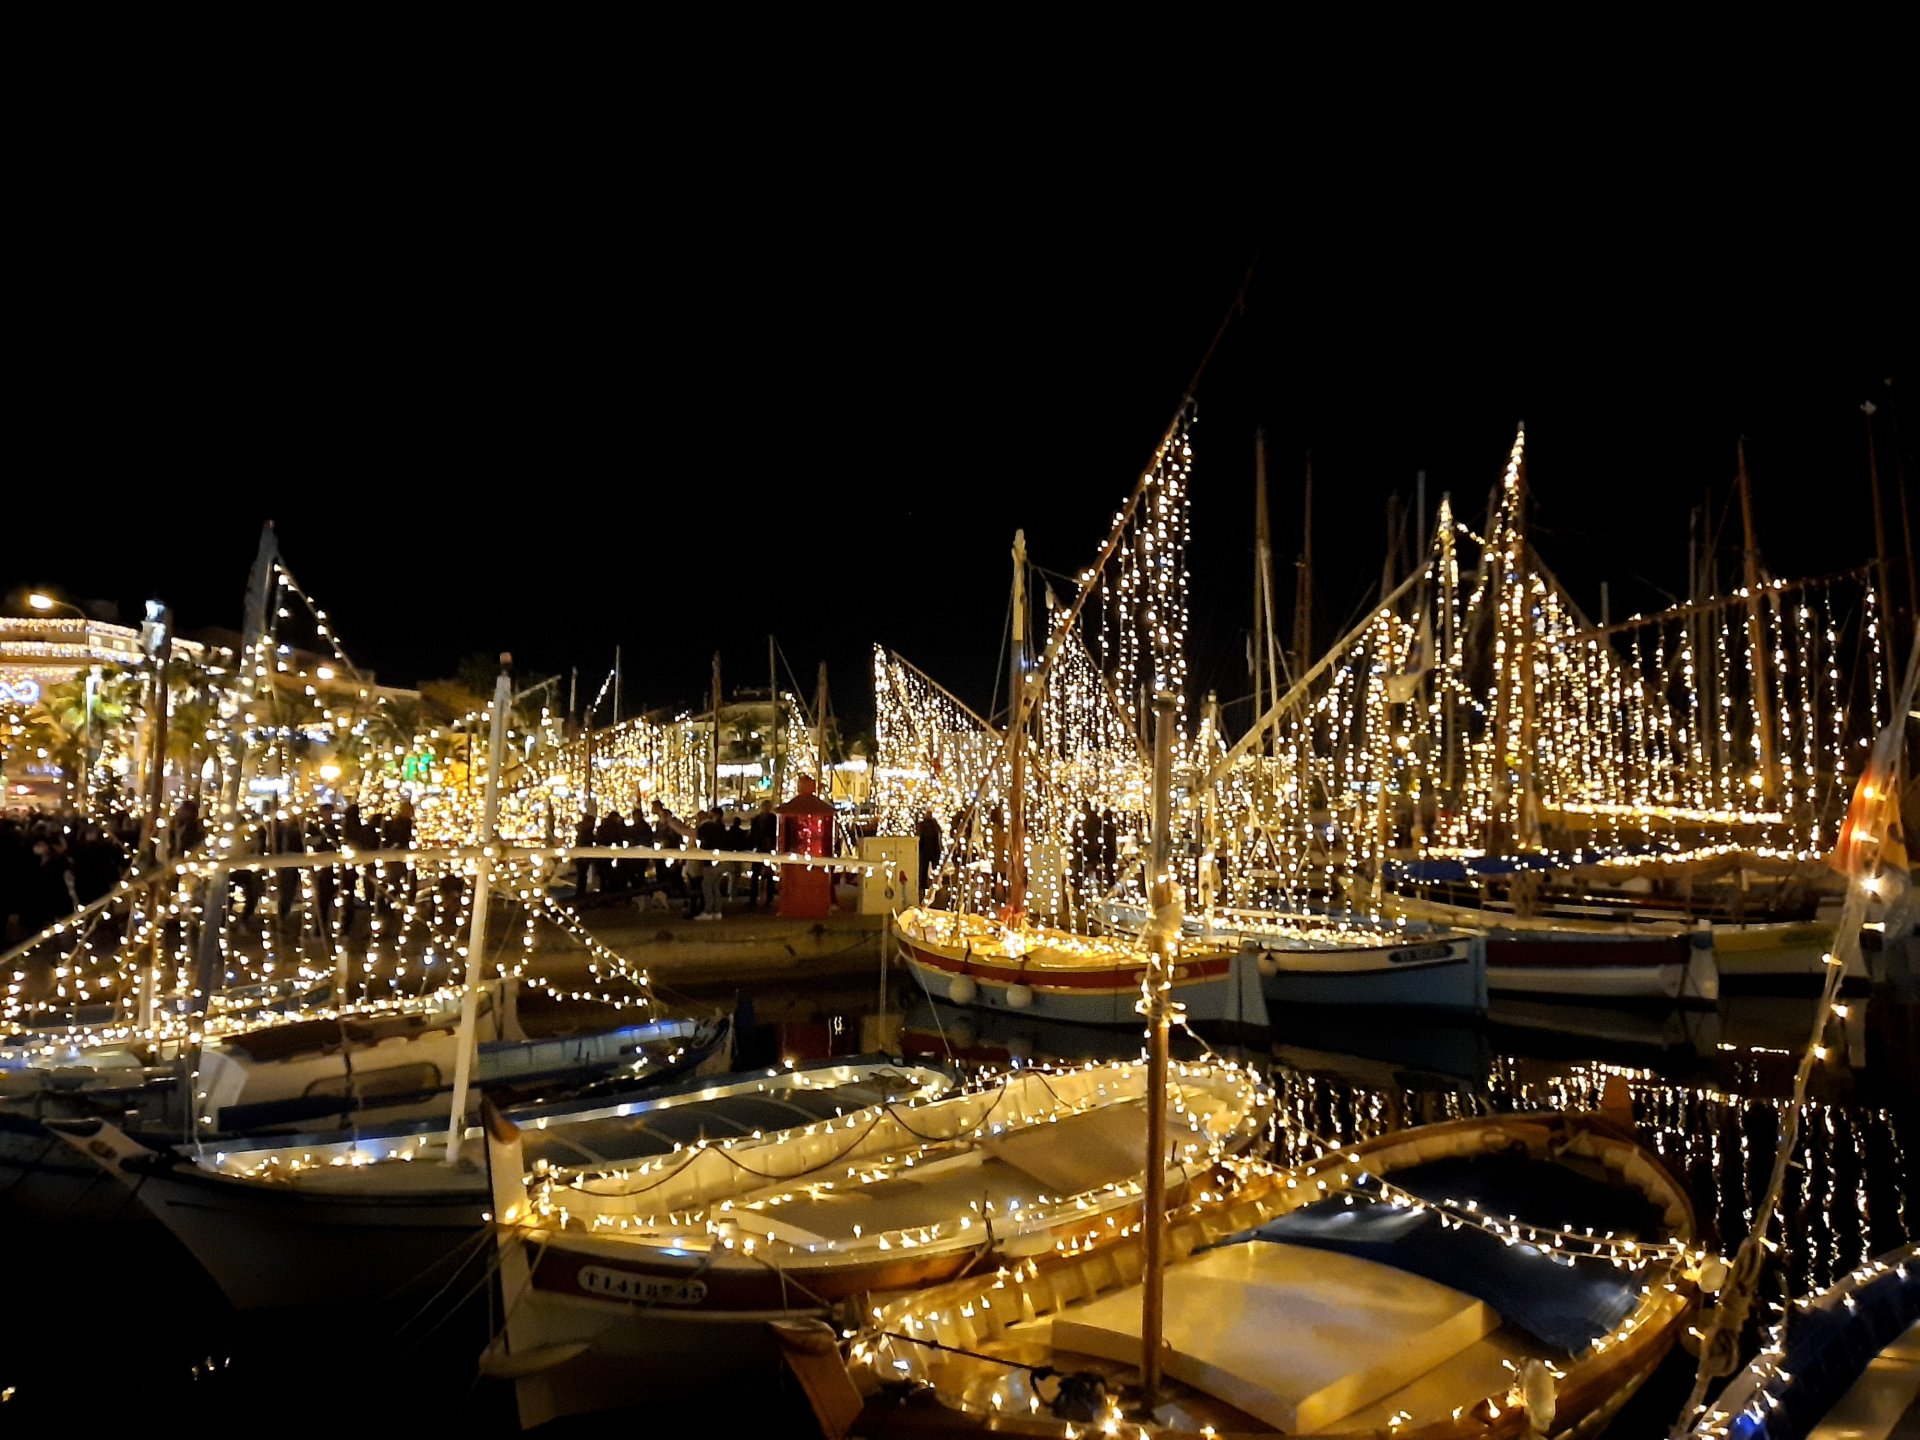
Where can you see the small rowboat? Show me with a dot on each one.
(1477, 1278)
(977, 961)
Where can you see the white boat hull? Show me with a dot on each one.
(1439, 974)
(1224, 989)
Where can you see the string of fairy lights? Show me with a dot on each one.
(1086, 800)
(1482, 713)
(1491, 716)
(711, 1196)
(910, 1337)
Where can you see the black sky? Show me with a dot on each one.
(679, 419)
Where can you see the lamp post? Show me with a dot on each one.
(157, 639)
(46, 603)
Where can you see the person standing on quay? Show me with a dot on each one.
(670, 832)
(397, 834)
(710, 834)
(583, 835)
(764, 830)
(928, 833)
(737, 839)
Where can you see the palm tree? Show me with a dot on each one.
(396, 722)
(73, 732)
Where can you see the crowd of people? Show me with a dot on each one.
(704, 888)
(55, 862)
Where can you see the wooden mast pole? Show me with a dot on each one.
(477, 935)
(1259, 656)
(772, 694)
(1161, 930)
(1529, 806)
(713, 750)
(1756, 639)
(1016, 736)
(825, 787)
(1879, 532)
(1303, 585)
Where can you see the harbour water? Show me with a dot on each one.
(117, 1314)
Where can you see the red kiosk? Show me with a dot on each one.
(806, 828)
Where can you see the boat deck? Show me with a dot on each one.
(1884, 1403)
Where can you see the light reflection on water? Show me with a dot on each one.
(1705, 1088)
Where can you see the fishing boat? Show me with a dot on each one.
(977, 960)
(1001, 1040)
(305, 1078)
(1537, 954)
(1343, 961)
(1005, 961)
(666, 1272)
(345, 1218)
(1471, 1278)
(1849, 1368)
(1780, 939)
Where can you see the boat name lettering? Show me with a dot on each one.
(643, 1288)
(1420, 952)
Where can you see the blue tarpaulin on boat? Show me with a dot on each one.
(1562, 1305)
(1473, 867)
(1829, 1348)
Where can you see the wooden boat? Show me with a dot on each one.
(1005, 1039)
(1850, 1368)
(343, 1218)
(1768, 944)
(1591, 959)
(1081, 979)
(307, 1077)
(1004, 961)
(1424, 1283)
(1782, 954)
(1338, 961)
(667, 1272)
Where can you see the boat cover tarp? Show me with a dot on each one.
(1474, 867)
(1562, 1305)
(1828, 1349)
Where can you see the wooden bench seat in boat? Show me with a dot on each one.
(1296, 1337)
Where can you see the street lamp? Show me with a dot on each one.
(44, 603)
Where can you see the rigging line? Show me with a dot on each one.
(806, 710)
(1036, 684)
(1000, 668)
(882, 1112)
(966, 709)
(459, 1256)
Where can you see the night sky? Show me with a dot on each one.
(825, 422)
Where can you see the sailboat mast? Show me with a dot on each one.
(713, 751)
(773, 696)
(1016, 737)
(1270, 657)
(1449, 585)
(1523, 639)
(1303, 586)
(1259, 656)
(820, 736)
(477, 935)
(1756, 643)
(1161, 938)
